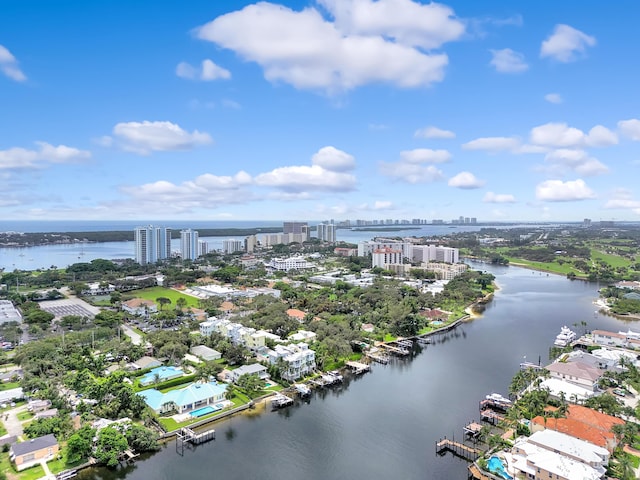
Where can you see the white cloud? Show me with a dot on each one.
(330, 158)
(303, 49)
(9, 65)
(411, 167)
(433, 132)
(382, 205)
(411, 172)
(577, 161)
(204, 191)
(491, 197)
(566, 44)
(208, 71)
(466, 181)
(22, 158)
(630, 128)
(560, 135)
(508, 61)
(425, 155)
(146, 137)
(553, 98)
(231, 104)
(494, 144)
(304, 178)
(407, 22)
(559, 191)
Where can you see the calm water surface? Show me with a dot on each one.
(384, 425)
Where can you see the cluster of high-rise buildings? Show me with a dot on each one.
(153, 244)
(401, 256)
(414, 221)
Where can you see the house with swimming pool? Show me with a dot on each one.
(161, 374)
(196, 396)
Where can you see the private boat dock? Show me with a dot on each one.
(403, 351)
(460, 449)
(358, 368)
(187, 435)
(280, 401)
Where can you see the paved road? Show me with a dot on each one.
(136, 338)
(11, 422)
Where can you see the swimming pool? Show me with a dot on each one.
(204, 411)
(436, 323)
(495, 466)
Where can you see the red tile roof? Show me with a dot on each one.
(584, 423)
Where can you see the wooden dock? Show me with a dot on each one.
(477, 474)
(491, 416)
(186, 435)
(396, 350)
(472, 429)
(378, 357)
(460, 449)
(281, 401)
(357, 367)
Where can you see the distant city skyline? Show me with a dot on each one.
(336, 109)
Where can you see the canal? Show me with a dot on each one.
(385, 424)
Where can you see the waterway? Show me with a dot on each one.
(385, 424)
(63, 255)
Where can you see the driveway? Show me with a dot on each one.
(135, 337)
(11, 422)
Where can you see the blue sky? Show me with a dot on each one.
(341, 109)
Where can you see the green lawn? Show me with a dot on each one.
(3, 431)
(22, 416)
(8, 385)
(614, 260)
(156, 292)
(552, 267)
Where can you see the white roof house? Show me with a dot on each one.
(579, 450)
(537, 462)
(205, 353)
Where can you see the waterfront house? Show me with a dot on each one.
(578, 373)
(27, 454)
(182, 400)
(582, 423)
(205, 353)
(298, 359)
(602, 337)
(254, 369)
(140, 307)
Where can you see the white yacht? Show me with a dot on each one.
(565, 337)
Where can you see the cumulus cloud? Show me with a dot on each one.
(566, 44)
(494, 144)
(208, 71)
(433, 132)
(9, 65)
(569, 160)
(425, 155)
(411, 172)
(407, 22)
(146, 137)
(299, 178)
(623, 199)
(466, 181)
(559, 191)
(491, 197)
(21, 158)
(202, 192)
(330, 158)
(553, 98)
(630, 128)
(560, 135)
(412, 166)
(508, 61)
(368, 42)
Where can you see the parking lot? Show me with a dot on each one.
(69, 306)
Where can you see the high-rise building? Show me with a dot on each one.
(189, 244)
(327, 232)
(203, 248)
(152, 244)
(250, 243)
(232, 246)
(297, 227)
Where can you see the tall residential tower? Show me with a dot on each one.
(152, 244)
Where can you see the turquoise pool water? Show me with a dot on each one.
(495, 466)
(436, 323)
(203, 411)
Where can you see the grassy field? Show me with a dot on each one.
(614, 260)
(22, 416)
(8, 385)
(551, 267)
(156, 292)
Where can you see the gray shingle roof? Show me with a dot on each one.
(34, 445)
